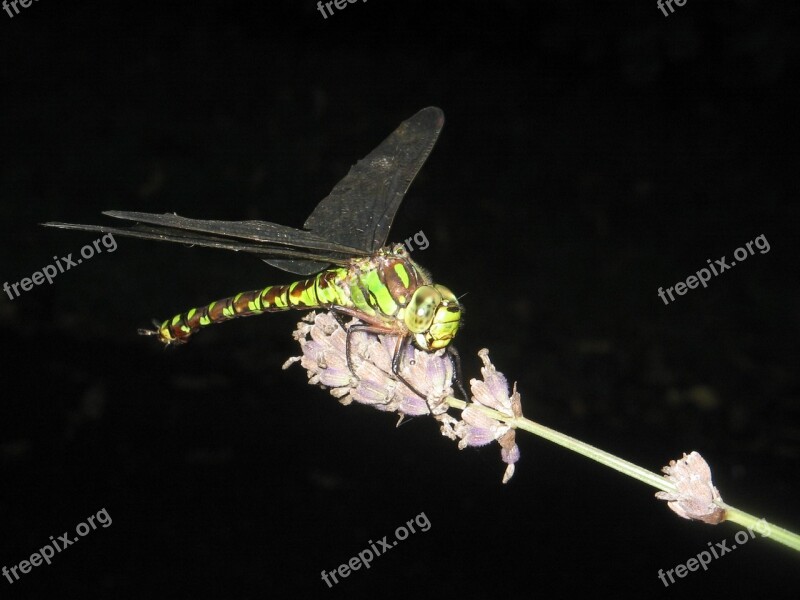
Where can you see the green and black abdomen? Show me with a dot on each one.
(324, 289)
(378, 287)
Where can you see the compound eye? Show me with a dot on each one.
(448, 297)
(422, 308)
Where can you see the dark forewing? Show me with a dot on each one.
(353, 220)
(359, 211)
(313, 259)
(257, 231)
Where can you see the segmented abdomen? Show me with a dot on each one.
(379, 286)
(325, 289)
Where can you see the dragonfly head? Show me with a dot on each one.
(433, 315)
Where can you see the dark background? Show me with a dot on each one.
(593, 152)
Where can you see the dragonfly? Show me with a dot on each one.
(341, 251)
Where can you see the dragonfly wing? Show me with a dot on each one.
(292, 249)
(258, 231)
(261, 231)
(308, 259)
(299, 266)
(353, 220)
(359, 211)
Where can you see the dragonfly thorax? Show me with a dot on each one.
(391, 291)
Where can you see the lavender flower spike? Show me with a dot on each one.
(478, 428)
(372, 382)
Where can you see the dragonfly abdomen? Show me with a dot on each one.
(378, 287)
(325, 289)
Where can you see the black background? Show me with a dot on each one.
(593, 152)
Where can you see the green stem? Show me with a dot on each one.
(778, 534)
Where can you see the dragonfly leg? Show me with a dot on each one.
(399, 352)
(455, 358)
(368, 324)
(340, 319)
(338, 313)
(377, 327)
(402, 344)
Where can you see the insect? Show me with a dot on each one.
(343, 242)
